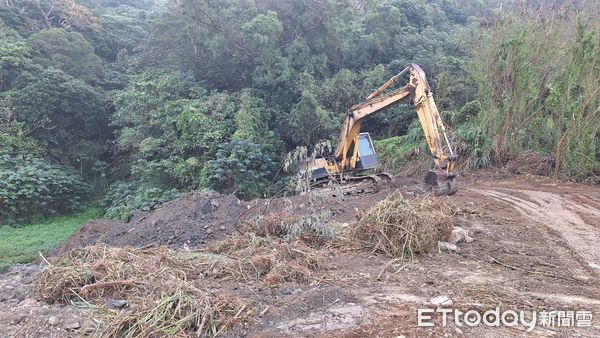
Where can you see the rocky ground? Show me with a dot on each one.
(534, 249)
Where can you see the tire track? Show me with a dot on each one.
(560, 214)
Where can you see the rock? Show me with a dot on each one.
(88, 330)
(18, 320)
(53, 321)
(445, 246)
(115, 303)
(72, 325)
(43, 310)
(441, 301)
(460, 235)
(209, 231)
(222, 227)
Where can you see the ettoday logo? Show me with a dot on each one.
(496, 318)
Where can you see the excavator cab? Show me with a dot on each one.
(367, 158)
(321, 168)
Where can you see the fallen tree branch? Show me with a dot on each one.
(101, 285)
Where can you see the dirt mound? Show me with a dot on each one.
(198, 218)
(89, 233)
(532, 164)
(191, 221)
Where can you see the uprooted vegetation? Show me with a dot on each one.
(155, 290)
(399, 227)
(158, 286)
(165, 291)
(253, 258)
(312, 229)
(531, 163)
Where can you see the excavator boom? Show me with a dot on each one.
(348, 157)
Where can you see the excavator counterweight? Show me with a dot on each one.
(355, 152)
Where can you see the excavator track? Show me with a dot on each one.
(354, 185)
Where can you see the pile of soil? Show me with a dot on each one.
(190, 221)
(532, 164)
(199, 218)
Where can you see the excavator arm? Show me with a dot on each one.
(354, 119)
(442, 177)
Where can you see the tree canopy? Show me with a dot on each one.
(144, 99)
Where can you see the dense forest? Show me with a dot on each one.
(132, 102)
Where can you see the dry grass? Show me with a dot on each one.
(312, 229)
(160, 286)
(273, 224)
(165, 290)
(399, 228)
(263, 258)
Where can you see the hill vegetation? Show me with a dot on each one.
(136, 101)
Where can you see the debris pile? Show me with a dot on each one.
(142, 292)
(253, 258)
(399, 227)
(532, 164)
(313, 229)
(191, 221)
(155, 290)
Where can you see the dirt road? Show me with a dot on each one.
(535, 248)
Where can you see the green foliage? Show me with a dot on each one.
(67, 51)
(309, 121)
(14, 138)
(168, 95)
(14, 53)
(242, 167)
(395, 153)
(21, 245)
(474, 147)
(122, 29)
(65, 115)
(124, 198)
(31, 187)
(536, 100)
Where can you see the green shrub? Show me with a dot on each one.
(31, 187)
(395, 153)
(241, 167)
(123, 198)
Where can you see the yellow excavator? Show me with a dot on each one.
(355, 153)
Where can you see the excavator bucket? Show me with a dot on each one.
(442, 182)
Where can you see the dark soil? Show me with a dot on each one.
(197, 218)
(190, 221)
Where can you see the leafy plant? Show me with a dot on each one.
(124, 198)
(241, 167)
(31, 187)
